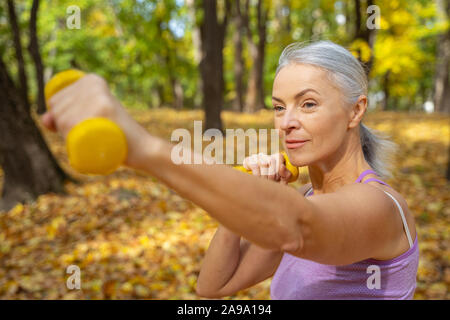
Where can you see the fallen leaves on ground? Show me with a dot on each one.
(135, 238)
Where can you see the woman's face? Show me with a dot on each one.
(308, 107)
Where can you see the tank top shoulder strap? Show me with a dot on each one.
(365, 173)
(361, 176)
(373, 179)
(405, 224)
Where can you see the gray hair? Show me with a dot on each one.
(347, 73)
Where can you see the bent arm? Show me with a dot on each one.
(232, 264)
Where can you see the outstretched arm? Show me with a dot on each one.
(262, 211)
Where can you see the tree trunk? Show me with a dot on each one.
(385, 102)
(167, 57)
(211, 65)
(441, 91)
(28, 165)
(447, 176)
(358, 18)
(178, 96)
(238, 103)
(255, 91)
(23, 86)
(363, 33)
(33, 48)
(161, 96)
(196, 42)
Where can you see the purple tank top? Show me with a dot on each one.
(301, 279)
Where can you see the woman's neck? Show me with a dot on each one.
(341, 169)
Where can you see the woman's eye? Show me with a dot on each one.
(309, 105)
(278, 108)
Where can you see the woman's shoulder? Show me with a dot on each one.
(368, 189)
(400, 201)
(391, 191)
(400, 208)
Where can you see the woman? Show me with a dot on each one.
(347, 235)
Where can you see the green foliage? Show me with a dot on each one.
(405, 47)
(144, 48)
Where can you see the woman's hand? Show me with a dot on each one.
(90, 97)
(271, 167)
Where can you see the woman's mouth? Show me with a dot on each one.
(294, 144)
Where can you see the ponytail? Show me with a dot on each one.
(378, 150)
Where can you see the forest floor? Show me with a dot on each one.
(134, 238)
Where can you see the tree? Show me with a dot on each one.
(255, 90)
(168, 60)
(441, 92)
(196, 44)
(211, 66)
(447, 176)
(364, 36)
(402, 53)
(238, 65)
(29, 167)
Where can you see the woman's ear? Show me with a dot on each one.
(357, 111)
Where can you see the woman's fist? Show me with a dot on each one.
(90, 97)
(272, 167)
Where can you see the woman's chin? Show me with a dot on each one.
(298, 161)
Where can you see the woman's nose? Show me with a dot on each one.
(290, 120)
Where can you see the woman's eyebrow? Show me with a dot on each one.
(298, 95)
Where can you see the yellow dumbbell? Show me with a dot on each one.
(293, 169)
(95, 145)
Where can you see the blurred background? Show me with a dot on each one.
(175, 61)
